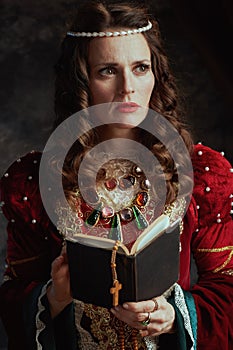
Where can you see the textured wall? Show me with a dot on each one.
(29, 46)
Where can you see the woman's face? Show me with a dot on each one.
(120, 71)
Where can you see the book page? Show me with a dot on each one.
(158, 226)
(98, 242)
(153, 230)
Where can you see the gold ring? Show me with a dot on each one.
(146, 321)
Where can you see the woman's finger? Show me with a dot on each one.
(141, 306)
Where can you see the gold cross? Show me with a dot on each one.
(115, 292)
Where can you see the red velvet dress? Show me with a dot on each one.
(34, 242)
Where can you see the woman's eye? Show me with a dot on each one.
(107, 71)
(142, 68)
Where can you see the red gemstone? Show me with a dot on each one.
(110, 184)
(141, 199)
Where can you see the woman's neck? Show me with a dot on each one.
(112, 131)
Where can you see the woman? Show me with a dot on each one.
(112, 54)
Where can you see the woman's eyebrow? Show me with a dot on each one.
(114, 64)
(106, 63)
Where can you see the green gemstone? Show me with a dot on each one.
(93, 218)
(115, 231)
(141, 221)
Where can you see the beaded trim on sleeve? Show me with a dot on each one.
(227, 272)
(40, 326)
(181, 304)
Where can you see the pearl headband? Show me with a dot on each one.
(109, 34)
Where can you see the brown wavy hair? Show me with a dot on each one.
(72, 91)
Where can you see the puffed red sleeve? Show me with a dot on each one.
(32, 243)
(212, 246)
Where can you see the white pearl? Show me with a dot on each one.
(231, 212)
(231, 196)
(218, 221)
(199, 143)
(34, 161)
(2, 204)
(218, 215)
(200, 153)
(18, 160)
(33, 221)
(231, 170)
(197, 230)
(30, 177)
(198, 207)
(207, 168)
(6, 175)
(207, 189)
(12, 220)
(222, 153)
(25, 198)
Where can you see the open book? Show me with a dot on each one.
(146, 271)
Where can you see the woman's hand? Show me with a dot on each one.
(58, 293)
(158, 312)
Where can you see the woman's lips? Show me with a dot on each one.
(127, 107)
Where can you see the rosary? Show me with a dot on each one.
(117, 286)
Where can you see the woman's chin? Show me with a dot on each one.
(125, 125)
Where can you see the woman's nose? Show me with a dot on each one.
(126, 85)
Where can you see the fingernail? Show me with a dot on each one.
(125, 306)
(113, 311)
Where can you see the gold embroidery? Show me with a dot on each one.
(218, 250)
(104, 327)
(86, 340)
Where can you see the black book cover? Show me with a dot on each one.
(147, 274)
